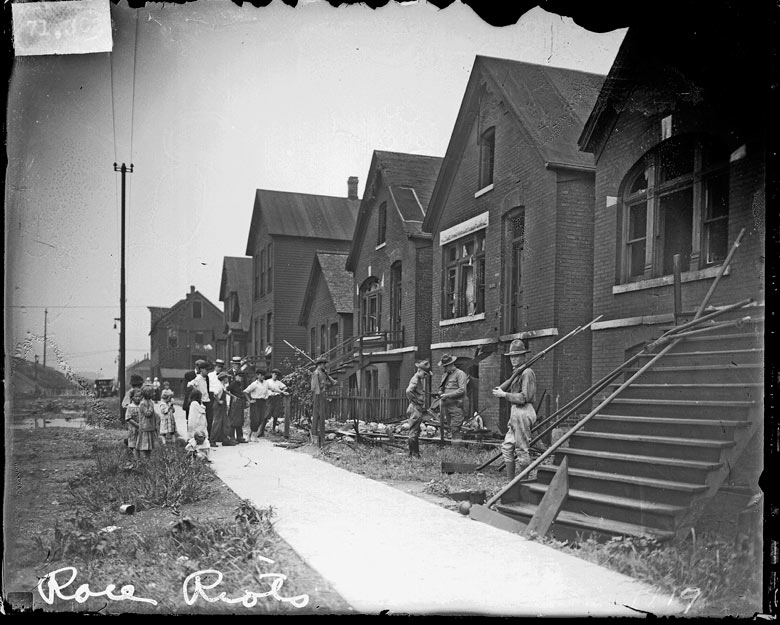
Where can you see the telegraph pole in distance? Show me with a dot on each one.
(45, 322)
(124, 170)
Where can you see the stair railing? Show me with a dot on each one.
(668, 337)
(564, 413)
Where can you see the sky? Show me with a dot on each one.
(209, 102)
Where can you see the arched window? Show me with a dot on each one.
(370, 306)
(674, 201)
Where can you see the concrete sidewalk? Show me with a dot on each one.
(383, 549)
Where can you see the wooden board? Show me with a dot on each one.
(474, 496)
(551, 503)
(496, 519)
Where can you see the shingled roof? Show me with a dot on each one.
(237, 276)
(551, 105)
(303, 215)
(330, 266)
(410, 179)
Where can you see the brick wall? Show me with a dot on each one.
(634, 134)
(556, 264)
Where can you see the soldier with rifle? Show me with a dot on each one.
(415, 393)
(521, 394)
(320, 382)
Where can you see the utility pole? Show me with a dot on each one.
(45, 321)
(124, 170)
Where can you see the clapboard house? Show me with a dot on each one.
(235, 292)
(677, 134)
(390, 267)
(327, 305)
(182, 334)
(511, 218)
(286, 231)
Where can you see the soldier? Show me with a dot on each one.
(320, 382)
(521, 396)
(415, 393)
(452, 390)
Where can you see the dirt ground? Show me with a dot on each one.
(39, 463)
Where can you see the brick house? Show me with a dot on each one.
(326, 313)
(182, 334)
(286, 231)
(390, 262)
(511, 217)
(235, 291)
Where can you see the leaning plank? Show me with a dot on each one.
(478, 512)
(551, 503)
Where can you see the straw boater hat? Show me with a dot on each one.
(517, 348)
(220, 362)
(446, 360)
(236, 360)
(423, 364)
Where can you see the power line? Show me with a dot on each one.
(75, 306)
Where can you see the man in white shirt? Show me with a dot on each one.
(214, 384)
(276, 392)
(256, 394)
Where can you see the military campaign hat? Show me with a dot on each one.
(517, 348)
(446, 360)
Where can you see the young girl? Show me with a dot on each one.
(132, 417)
(149, 422)
(196, 420)
(168, 421)
(198, 446)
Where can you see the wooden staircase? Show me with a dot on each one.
(647, 462)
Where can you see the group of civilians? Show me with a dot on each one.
(215, 401)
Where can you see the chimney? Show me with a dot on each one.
(352, 184)
(192, 289)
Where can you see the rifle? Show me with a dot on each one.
(517, 372)
(299, 351)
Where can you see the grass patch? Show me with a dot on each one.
(169, 478)
(711, 576)
(244, 549)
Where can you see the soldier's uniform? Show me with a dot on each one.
(415, 393)
(521, 396)
(452, 390)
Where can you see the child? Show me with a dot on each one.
(196, 420)
(168, 421)
(132, 417)
(198, 446)
(148, 423)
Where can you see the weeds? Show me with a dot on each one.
(167, 479)
(710, 575)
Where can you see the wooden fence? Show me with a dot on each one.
(347, 404)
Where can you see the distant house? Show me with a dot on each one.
(235, 291)
(326, 313)
(286, 231)
(141, 367)
(511, 217)
(390, 262)
(32, 379)
(184, 333)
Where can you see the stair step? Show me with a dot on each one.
(656, 460)
(661, 426)
(661, 446)
(657, 440)
(686, 403)
(586, 522)
(612, 500)
(630, 479)
(622, 483)
(685, 408)
(691, 391)
(752, 351)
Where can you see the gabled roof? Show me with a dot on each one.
(237, 277)
(550, 105)
(302, 215)
(181, 304)
(330, 267)
(410, 179)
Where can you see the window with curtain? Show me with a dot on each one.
(464, 276)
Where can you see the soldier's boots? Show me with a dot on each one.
(414, 448)
(510, 470)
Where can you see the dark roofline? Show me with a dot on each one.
(310, 284)
(180, 303)
(479, 76)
